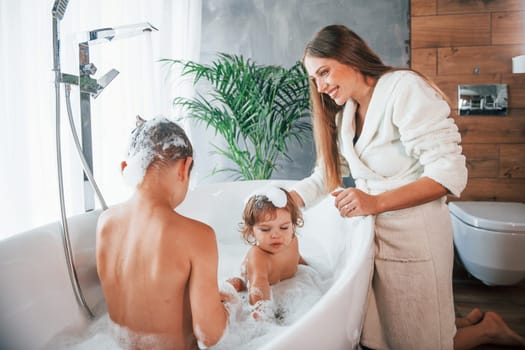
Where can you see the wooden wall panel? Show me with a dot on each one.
(516, 86)
(449, 40)
(425, 61)
(463, 60)
(499, 189)
(508, 28)
(482, 160)
(512, 161)
(485, 129)
(423, 7)
(453, 30)
(468, 6)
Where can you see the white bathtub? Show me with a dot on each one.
(37, 301)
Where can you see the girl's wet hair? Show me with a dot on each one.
(155, 142)
(259, 208)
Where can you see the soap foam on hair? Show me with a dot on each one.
(158, 138)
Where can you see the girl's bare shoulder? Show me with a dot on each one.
(257, 260)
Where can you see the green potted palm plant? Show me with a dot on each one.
(257, 109)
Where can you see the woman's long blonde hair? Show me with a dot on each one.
(342, 44)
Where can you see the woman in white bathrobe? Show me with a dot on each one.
(390, 130)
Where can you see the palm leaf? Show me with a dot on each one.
(257, 109)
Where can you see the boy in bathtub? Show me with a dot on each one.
(270, 218)
(158, 268)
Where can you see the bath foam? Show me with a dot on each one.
(292, 299)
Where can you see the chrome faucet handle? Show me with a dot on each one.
(104, 81)
(87, 84)
(88, 69)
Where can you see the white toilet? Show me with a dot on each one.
(490, 240)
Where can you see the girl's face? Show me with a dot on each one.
(274, 235)
(333, 78)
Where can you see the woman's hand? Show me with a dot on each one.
(353, 202)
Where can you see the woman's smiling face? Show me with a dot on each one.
(332, 77)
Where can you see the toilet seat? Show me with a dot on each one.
(494, 216)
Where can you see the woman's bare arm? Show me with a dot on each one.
(354, 202)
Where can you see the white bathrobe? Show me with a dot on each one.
(407, 134)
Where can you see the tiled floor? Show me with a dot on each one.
(508, 301)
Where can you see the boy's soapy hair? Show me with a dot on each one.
(155, 142)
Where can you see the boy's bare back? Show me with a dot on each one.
(158, 269)
(153, 249)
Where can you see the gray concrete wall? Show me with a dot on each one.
(275, 32)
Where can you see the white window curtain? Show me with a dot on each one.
(28, 175)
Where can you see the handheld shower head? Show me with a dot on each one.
(59, 8)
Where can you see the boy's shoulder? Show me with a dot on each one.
(193, 224)
(108, 216)
(191, 229)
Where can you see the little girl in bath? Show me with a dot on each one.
(270, 218)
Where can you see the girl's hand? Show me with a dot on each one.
(262, 310)
(353, 202)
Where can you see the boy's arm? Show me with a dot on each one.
(209, 315)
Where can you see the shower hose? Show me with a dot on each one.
(66, 236)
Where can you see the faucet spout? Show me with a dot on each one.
(103, 35)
